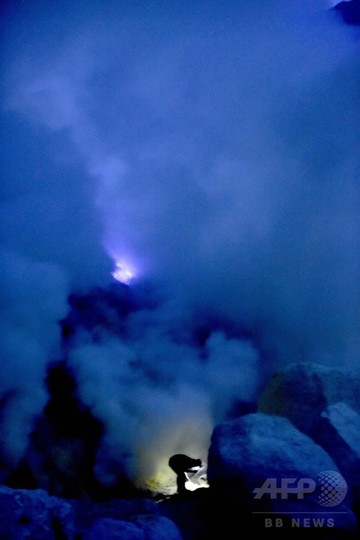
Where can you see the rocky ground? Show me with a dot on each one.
(291, 466)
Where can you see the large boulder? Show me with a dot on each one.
(157, 527)
(34, 514)
(272, 466)
(87, 510)
(138, 518)
(301, 392)
(338, 432)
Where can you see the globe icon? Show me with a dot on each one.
(333, 488)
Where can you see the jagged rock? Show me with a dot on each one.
(338, 432)
(142, 527)
(111, 529)
(87, 511)
(34, 514)
(246, 452)
(301, 392)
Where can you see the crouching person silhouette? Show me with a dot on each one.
(182, 464)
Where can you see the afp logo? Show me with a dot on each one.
(330, 487)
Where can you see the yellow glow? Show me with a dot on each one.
(165, 481)
(187, 434)
(162, 482)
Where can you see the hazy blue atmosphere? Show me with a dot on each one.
(212, 149)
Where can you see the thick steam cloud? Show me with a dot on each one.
(213, 148)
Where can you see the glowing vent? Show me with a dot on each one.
(123, 272)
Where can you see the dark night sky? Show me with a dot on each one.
(212, 148)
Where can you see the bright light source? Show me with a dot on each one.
(198, 479)
(123, 272)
